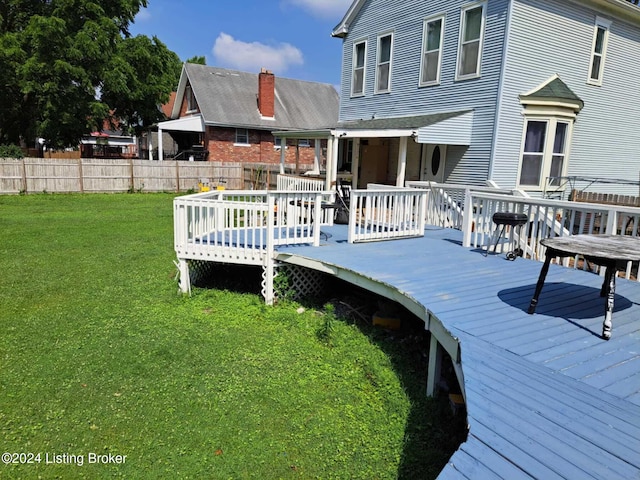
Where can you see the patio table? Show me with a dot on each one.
(609, 251)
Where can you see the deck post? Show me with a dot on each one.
(434, 367)
(184, 280)
(467, 219)
(268, 269)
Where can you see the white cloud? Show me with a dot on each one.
(330, 9)
(142, 16)
(252, 56)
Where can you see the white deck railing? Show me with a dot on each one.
(446, 201)
(385, 214)
(294, 182)
(232, 226)
(547, 218)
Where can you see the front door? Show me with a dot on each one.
(433, 162)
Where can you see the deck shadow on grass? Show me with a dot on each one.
(569, 301)
(432, 433)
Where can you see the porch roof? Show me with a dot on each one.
(453, 128)
(194, 123)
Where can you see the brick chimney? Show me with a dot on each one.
(266, 93)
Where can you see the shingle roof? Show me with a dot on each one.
(555, 89)
(412, 122)
(229, 98)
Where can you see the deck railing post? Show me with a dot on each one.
(269, 263)
(317, 219)
(467, 218)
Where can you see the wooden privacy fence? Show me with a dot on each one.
(33, 175)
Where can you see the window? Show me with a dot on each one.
(383, 66)
(544, 152)
(191, 99)
(304, 142)
(359, 63)
(470, 47)
(242, 136)
(598, 50)
(431, 51)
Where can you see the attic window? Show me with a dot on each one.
(192, 106)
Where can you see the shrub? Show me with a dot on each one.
(11, 151)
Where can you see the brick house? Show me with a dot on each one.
(227, 116)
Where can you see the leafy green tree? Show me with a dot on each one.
(63, 62)
(198, 59)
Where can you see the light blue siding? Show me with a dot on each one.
(405, 18)
(452, 131)
(550, 37)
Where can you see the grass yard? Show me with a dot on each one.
(99, 356)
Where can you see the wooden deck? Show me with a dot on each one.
(546, 396)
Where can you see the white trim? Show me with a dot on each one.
(389, 62)
(423, 52)
(194, 123)
(353, 68)
(604, 24)
(463, 10)
(547, 152)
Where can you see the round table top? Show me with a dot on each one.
(609, 247)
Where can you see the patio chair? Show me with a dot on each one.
(343, 201)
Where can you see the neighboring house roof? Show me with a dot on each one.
(628, 9)
(229, 98)
(167, 108)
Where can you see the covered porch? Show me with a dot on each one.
(389, 151)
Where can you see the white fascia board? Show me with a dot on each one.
(194, 123)
(175, 111)
(375, 133)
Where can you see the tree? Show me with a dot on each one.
(66, 65)
(198, 60)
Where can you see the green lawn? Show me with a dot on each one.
(99, 354)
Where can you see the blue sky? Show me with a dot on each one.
(292, 38)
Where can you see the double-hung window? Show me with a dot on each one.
(598, 50)
(242, 136)
(432, 38)
(544, 152)
(383, 64)
(470, 45)
(359, 64)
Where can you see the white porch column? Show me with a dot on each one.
(150, 144)
(329, 165)
(355, 162)
(283, 151)
(402, 161)
(160, 153)
(334, 165)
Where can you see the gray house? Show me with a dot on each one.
(518, 92)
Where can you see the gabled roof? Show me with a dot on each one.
(229, 98)
(553, 90)
(342, 28)
(627, 9)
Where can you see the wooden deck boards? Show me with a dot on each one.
(546, 396)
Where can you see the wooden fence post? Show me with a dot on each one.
(80, 175)
(177, 176)
(133, 180)
(24, 176)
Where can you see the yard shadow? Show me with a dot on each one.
(569, 301)
(433, 432)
